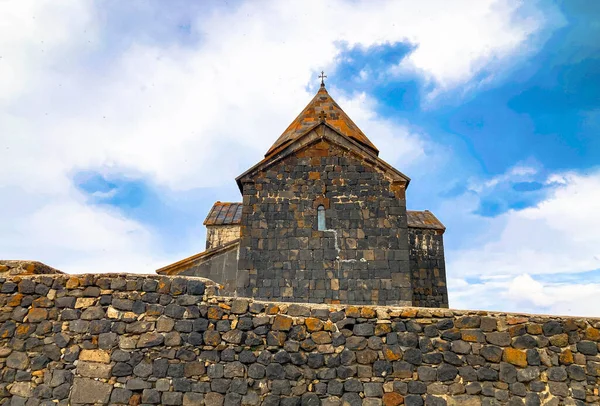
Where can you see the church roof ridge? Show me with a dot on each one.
(322, 108)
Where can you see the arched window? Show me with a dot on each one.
(321, 218)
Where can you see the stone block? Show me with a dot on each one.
(100, 356)
(93, 369)
(90, 391)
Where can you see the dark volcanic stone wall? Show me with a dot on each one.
(361, 259)
(220, 267)
(427, 267)
(137, 339)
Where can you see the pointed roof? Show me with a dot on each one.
(313, 114)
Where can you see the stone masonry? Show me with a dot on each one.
(20, 267)
(217, 236)
(427, 267)
(148, 339)
(362, 256)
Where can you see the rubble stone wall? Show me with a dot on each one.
(149, 339)
(20, 267)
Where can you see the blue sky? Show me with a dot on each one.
(121, 127)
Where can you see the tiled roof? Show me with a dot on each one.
(311, 115)
(224, 214)
(423, 219)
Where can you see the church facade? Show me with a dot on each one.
(323, 219)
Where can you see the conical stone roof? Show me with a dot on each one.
(322, 108)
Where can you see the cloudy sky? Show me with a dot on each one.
(122, 122)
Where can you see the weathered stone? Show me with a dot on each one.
(356, 343)
(95, 356)
(256, 371)
(195, 287)
(501, 339)
(528, 374)
(587, 348)
(524, 342)
(93, 369)
(239, 306)
(120, 396)
(90, 391)
(233, 336)
(212, 337)
(22, 389)
(234, 369)
(592, 334)
(150, 340)
(576, 372)
(392, 399)
(17, 360)
(392, 352)
(446, 372)
(364, 329)
(557, 374)
(559, 340)
(282, 322)
(321, 337)
(552, 327)
(558, 388)
(515, 357)
(164, 324)
(491, 353)
(107, 341)
(413, 356)
(36, 314)
(137, 384)
(313, 324)
(122, 369)
(508, 373)
(143, 369)
(172, 398)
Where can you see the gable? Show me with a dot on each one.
(320, 133)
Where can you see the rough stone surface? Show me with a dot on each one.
(257, 353)
(90, 391)
(365, 238)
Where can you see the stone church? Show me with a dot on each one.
(323, 219)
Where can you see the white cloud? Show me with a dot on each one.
(460, 41)
(68, 234)
(524, 294)
(558, 235)
(34, 35)
(501, 265)
(187, 117)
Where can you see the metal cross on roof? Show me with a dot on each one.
(322, 76)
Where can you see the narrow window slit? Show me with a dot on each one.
(321, 218)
